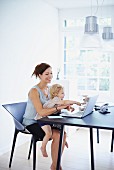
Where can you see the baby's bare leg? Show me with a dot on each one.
(48, 134)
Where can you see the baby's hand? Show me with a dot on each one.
(69, 108)
(72, 109)
(81, 108)
(83, 103)
(86, 99)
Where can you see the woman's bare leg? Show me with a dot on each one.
(48, 134)
(55, 146)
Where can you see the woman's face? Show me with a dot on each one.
(47, 75)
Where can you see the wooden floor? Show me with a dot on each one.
(76, 157)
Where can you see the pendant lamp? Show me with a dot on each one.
(108, 39)
(91, 38)
(91, 26)
(107, 33)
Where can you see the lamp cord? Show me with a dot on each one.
(102, 7)
(97, 7)
(91, 7)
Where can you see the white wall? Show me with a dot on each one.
(28, 36)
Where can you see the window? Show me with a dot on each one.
(88, 71)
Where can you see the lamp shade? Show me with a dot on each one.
(107, 33)
(91, 26)
(108, 39)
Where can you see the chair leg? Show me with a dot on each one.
(30, 147)
(112, 140)
(97, 135)
(34, 154)
(13, 146)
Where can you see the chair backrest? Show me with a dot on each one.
(17, 110)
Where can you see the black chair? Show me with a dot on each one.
(17, 110)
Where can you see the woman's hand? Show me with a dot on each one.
(78, 103)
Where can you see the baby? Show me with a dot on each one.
(56, 99)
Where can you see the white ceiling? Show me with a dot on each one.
(61, 4)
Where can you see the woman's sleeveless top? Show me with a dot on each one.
(30, 112)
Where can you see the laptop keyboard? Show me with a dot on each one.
(72, 114)
(78, 113)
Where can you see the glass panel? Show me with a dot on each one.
(70, 56)
(105, 57)
(70, 70)
(70, 23)
(65, 71)
(92, 84)
(80, 69)
(64, 42)
(80, 58)
(91, 57)
(104, 72)
(69, 42)
(81, 83)
(104, 84)
(92, 70)
(65, 56)
(104, 21)
(80, 22)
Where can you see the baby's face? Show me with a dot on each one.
(61, 94)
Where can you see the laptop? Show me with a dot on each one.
(80, 114)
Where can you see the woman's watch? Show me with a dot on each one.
(56, 107)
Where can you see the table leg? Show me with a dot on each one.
(60, 148)
(97, 135)
(112, 140)
(91, 148)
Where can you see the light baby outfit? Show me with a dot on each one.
(49, 104)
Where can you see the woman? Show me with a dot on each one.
(37, 96)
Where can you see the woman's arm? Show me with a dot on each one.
(34, 96)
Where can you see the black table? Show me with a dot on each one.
(94, 120)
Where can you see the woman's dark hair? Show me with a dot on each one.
(40, 68)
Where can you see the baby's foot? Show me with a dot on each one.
(44, 153)
(66, 144)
